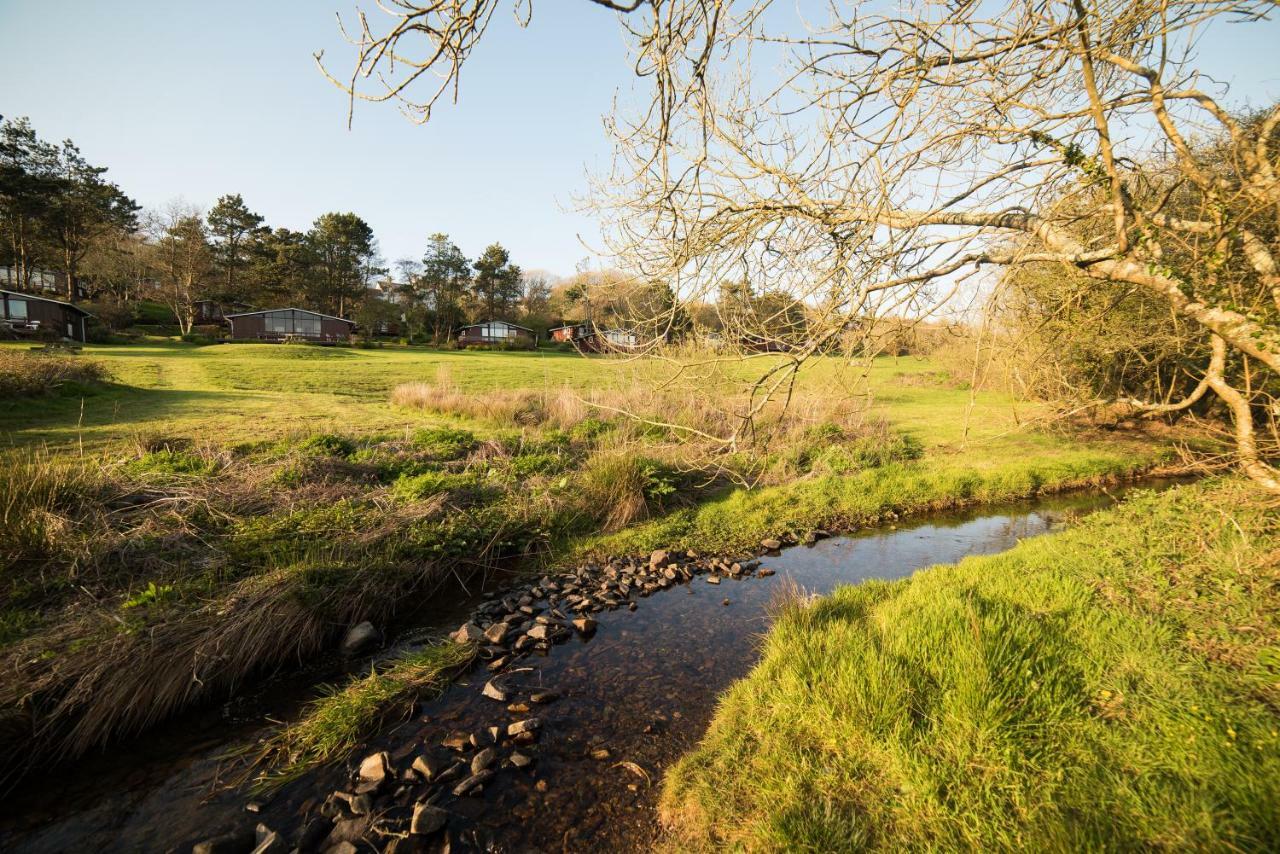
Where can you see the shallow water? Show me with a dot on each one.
(643, 687)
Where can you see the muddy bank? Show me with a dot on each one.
(632, 696)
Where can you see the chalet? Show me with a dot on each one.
(216, 311)
(37, 282)
(497, 333)
(41, 317)
(591, 339)
(290, 324)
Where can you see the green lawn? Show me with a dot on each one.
(1113, 687)
(254, 391)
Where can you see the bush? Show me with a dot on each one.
(28, 374)
(619, 487)
(444, 443)
(329, 444)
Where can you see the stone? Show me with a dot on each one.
(472, 784)
(764, 572)
(481, 739)
(361, 638)
(428, 767)
(543, 697)
(725, 602)
(494, 692)
(495, 734)
(527, 725)
(375, 768)
(585, 625)
(496, 633)
(518, 708)
(313, 833)
(427, 819)
(349, 830)
(771, 544)
(541, 785)
(484, 760)
(520, 760)
(457, 740)
(713, 579)
(631, 606)
(468, 633)
(236, 842)
(343, 847)
(525, 737)
(270, 842)
(539, 632)
(600, 754)
(659, 559)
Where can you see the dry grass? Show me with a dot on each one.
(25, 374)
(641, 411)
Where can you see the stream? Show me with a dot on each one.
(632, 698)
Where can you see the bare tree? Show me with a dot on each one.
(184, 257)
(895, 156)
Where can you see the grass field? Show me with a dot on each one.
(255, 391)
(213, 511)
(1113, 687)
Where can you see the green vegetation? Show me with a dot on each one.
(27, 374)
(1115, 686)
(334, 724)
(223, 509)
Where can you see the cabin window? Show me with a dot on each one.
(279, 321)
(306, 324)
(18, 309)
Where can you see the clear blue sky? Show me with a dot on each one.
(196, 100)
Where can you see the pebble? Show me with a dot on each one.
(493, 692)
(427, 819)
(771, 544)
(543, 697)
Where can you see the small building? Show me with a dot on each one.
(497, 333)
(591, 339)
(27, 315)
(566, 334)
(290, 324)
(37, 281)
(216, 311)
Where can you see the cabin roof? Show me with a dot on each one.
(22, 295)
(289, 308)
(487, 322)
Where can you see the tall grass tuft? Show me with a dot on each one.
(29, 374)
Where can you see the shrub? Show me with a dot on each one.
(429, 484)
(444, 443)
(329, 444)
(619, 487)
(531, 464)
(29, 374)
(173, 461)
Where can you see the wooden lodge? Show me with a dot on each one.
(290, 324)
(29, 316)
(497, 333)
(589, 339)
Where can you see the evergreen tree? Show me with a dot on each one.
(346, 253)
(232, 226)
(442, 285)
(497, 285)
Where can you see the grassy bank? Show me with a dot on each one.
(1116, 686)
(185, 528)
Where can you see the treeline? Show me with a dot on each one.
(61, 214)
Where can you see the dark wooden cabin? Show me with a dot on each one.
(497, 333)
(290, 324)
(27, 315)
(591, 339)
(216, 311)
